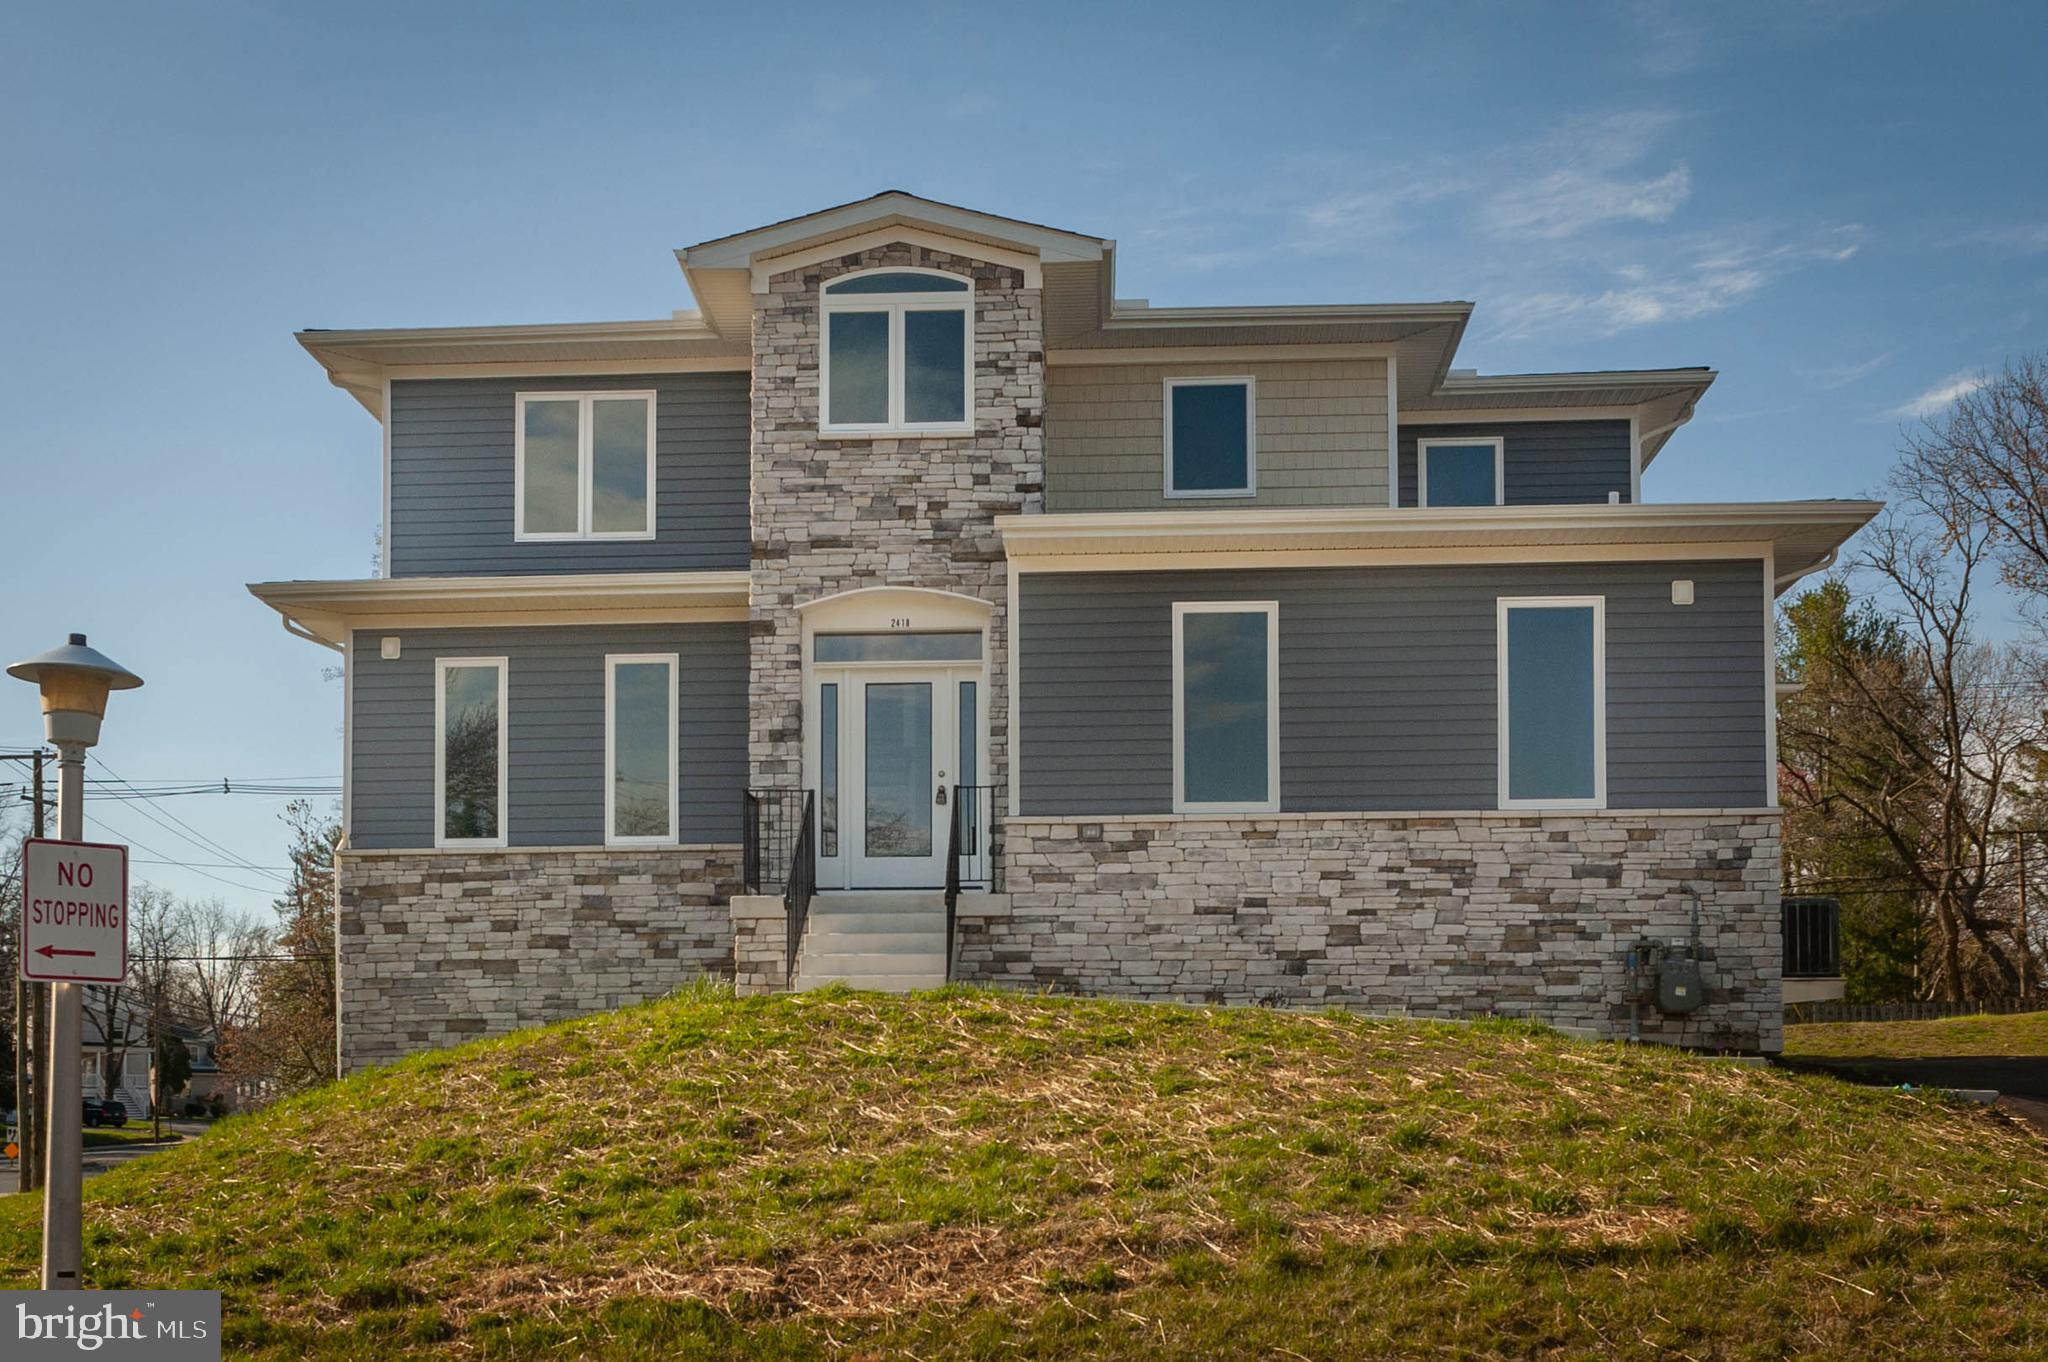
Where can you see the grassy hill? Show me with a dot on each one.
(971, 1174)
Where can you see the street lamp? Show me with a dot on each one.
(74, 680)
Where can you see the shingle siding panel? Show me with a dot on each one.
(1321, 434)
(452, 464)
(1388, 684)
(555, 701)
(1546, 462)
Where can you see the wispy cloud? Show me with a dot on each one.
(2024, 238)
(1567, 202)
(1938, 398)
(1713, 276)
(835, 94)
(1828, 377)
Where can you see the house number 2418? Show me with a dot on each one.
(899, 624)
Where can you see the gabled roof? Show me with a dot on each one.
(737, 250)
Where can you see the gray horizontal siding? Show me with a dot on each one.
(1387, 684)
(555, 771)
(452, 473)
(1546, 463)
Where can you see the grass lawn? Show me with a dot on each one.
(984, 1175)
(2017, 1033)
(135, 1132)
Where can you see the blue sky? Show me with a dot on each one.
(1838, 205)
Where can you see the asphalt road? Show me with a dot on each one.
(100, 1160)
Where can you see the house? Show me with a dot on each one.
(916, 607)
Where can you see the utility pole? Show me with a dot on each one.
(28, 1067)
(36, 1131)
(2026, 943)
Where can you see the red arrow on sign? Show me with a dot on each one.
(48, 951)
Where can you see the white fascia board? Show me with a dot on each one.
(1618, 378)
(326, 610)
(1422, 314)
(740, 250)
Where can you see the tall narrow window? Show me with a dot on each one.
(1226, 715)
(1553, 702)
(828, 769)
(897, 353)
(584, 466)
(469, 751)
(640, 749)
(1210, 445)
(1459, 472)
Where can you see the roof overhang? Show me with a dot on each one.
(1799, 536)
(361, 362)
(1658, 400)
(326, 611)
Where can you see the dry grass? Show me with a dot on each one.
(981, 1174)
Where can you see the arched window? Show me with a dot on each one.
(897, 353)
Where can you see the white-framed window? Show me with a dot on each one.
(1461, 471)
(1552, 663)
(1211, 437)
(1226, 706)
(470, 751)
(583, 466)
(640, 749)
(896, 353)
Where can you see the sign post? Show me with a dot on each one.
(74, 925)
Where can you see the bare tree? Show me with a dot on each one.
(226, 949)
(1933, 752)
(1985, 462)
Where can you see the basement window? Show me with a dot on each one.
(897, 354)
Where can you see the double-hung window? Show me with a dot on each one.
(640, 749)
(1211, 444)
(1460, 472)
(897, 354)
(1553, 702)
(585, 466)
(1226, 706)
(469, 751)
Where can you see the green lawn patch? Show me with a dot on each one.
(2016, 1033)
(971, 1174)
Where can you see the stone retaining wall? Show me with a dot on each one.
(439, 947)
(1520, 915)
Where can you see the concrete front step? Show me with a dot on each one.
(892, 941)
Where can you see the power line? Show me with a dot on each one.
(197, 837)
(222, 879)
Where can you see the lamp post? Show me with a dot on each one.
(74, 681)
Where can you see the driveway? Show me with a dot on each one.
(2020, 1080)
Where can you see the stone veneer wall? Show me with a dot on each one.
(440, 947)
(834, 514)
(1522, 915)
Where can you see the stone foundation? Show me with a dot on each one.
(1503, 914)
(440, 947)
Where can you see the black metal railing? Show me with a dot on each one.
(770, 823)
(802, 882)
(779, 853)
(970, 851)
(1813, 938)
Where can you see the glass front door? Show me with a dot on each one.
(888, 753)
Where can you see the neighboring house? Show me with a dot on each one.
(128, 1059)
(1244, 654)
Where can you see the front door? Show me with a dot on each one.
(890, 741)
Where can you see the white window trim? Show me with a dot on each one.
(1251, 433)
(1599, 607)
(1500, 463)
(441, 666)
(612, 662)
(1271, 610)
(895, 305)
(585, 466)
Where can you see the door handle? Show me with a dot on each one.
(939, 796)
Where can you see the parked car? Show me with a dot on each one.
(108, 1113)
